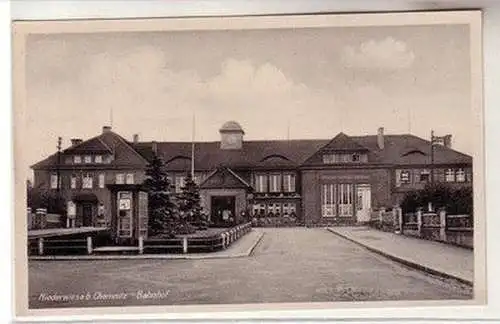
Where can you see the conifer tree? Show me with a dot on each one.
(189, 202)
(163, 217)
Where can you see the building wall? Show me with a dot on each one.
(42, 179)
(311, 181)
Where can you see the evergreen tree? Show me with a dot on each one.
(163, 217)
(189, 202)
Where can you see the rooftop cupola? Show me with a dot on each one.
(231, 136)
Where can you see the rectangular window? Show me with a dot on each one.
(275, 183)
(259, 210)
(328, 200)
(425, 176)
(345, 200)
(108, 159)
(68, 159)
(102, 179)
(289, 209)
(329, 158)
(87, 159)
(120, 178)
(87, 181)
(460, 175)
(77, 159)
(405, 177)
(98, 159)
(289, 182)
(450, 175)
(261, 183)
(129, 178)
(179, 183)
(73, 182)
(53, 181)
(468, 174)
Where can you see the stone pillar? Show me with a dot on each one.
(442, 223)
(89, 245)
(40, 246)
(30, 218)
(41, 217)
(184, 245)
(400, 218)
(141, 244)
(419, 221)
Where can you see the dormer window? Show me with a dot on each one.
(331, 158)
(77, 159)
(87, 159)
(98, 159)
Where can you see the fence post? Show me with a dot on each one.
(442, 224)
(400, 217)
(89, 245)
(40, 246)
(184, 244)
(419, 221)
(141, 244)
(30, 218)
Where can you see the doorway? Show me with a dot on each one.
(223, 210)
(363, 203)
(87, 215)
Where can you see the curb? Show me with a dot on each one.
(146, 256)
(405, 262)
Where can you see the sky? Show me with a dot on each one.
(289, 83)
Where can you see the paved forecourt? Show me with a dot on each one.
(288, 265)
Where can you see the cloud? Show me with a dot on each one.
(388, 54)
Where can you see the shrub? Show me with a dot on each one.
(456, 201)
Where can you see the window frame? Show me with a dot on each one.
(77, 159)
(119, 176)
(279, 183)
(98, 159)
(86, 185)
(261, 184)
(449, 175)
(292, 183)
(101, 180)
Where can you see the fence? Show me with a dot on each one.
(71, 244)
(436, 226)
(40, 219)
(188, 244)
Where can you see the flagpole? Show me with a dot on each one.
(432, 156)
(192, 147)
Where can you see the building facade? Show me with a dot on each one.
(338, 180)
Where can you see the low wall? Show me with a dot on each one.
(434, 226)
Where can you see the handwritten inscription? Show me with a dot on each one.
(101, 296)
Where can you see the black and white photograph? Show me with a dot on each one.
(295, 160)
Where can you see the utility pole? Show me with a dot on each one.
(59, 145)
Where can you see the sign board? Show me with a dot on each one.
(71, 209)
(124, 204)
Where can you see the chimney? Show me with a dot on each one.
(154, 147)
(106, 129)
(380, 138)
(136, 138)
(447, 141)
(76, 141)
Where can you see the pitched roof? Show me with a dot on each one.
(93, 145)
(108, 142)
(342, 142)
(294, 153)
(254, 154)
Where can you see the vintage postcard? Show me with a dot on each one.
(247, 163)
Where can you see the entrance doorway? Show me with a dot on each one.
(223, 210)
(87, 214)
(363, 203)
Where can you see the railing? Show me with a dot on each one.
(70, 244)
(188, 244)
